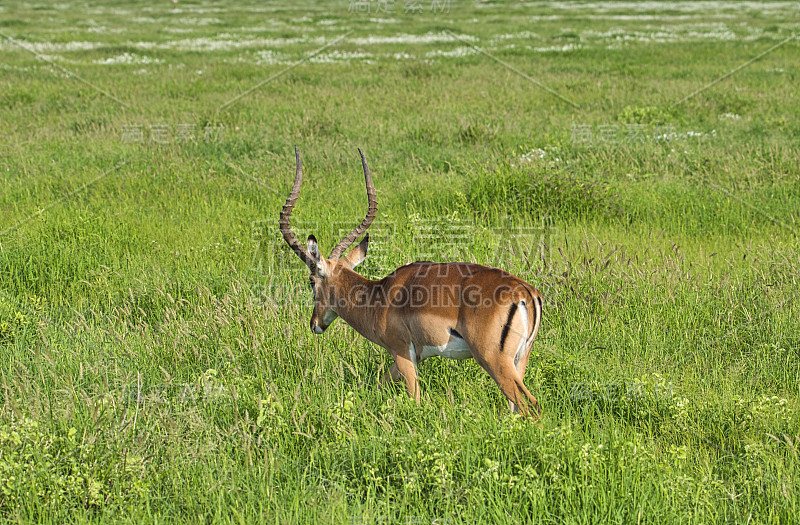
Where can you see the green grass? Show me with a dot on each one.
(157, 363)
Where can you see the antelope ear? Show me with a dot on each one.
(357, 254)
(313, 249)
(320, 265)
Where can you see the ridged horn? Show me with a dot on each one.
(286, 212)
(372, 211)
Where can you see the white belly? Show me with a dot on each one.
(456, 348)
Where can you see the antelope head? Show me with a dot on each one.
(328, 273)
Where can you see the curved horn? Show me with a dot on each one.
(372, 211)
(286, 230)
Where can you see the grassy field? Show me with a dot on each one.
(157, 363)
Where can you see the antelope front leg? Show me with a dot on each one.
(393, 375)
(408, 369)
(403, 369)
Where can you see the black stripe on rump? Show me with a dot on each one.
(538, 311)
(453, 333)
(507, 326)
(531, 295)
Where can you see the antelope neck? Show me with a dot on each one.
(352, 295)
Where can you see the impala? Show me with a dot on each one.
(424, 309)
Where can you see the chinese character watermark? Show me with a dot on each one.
(614, 391)
(605, 134)
(396, 520)
(168, 134)
(276, 271)
(531, 243)
(204, 390)
(410, 7)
